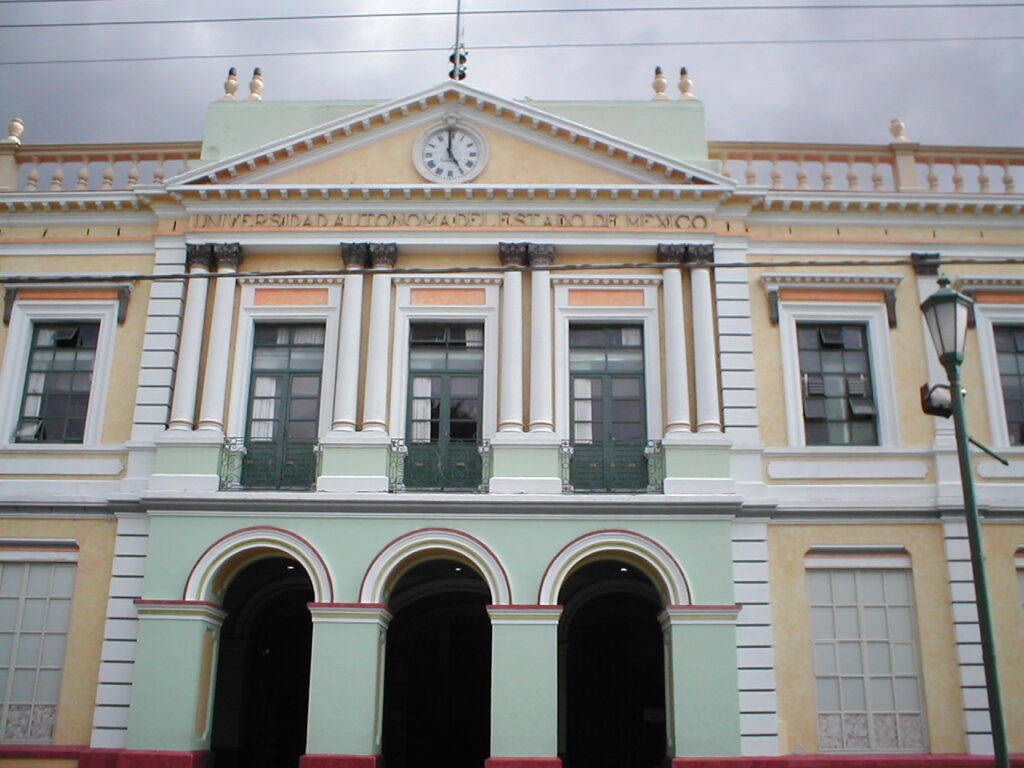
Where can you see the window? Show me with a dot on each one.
(284, 406)
(865, 660)
(606, 385)
(446, 364)
(1009, 342)
(57, 384)
(835, 377)
(35, 603)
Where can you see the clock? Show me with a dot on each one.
(450, 153)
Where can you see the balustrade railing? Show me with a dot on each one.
(899, 167)
(97, 167)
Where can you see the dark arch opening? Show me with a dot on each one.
(437, 680)
(262, 692)
(611, 669)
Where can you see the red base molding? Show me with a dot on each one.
(156, 758)
(339, 761)
(523, 762)
(846, 761)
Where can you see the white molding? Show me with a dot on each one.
(389, 562)
(249, 313)
(647, 315)
(199, 586)
(662, 567)
(19, 343)
(873, 315)
(847, 469)
(859, 281)
(986, 316)
(405, 313)
(70, 465)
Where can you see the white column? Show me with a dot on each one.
(186, 377)
(705, 359)
(375, 398)
(677, 383)
(510, 415)
(541, 364)
(211, 411)
(346, 381)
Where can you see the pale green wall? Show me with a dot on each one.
(524, 690)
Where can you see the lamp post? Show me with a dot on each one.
(946, 313)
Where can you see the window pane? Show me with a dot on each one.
(1010, 343)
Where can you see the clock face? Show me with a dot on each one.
(450, 154)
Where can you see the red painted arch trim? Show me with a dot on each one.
(314, 550)
(501, 567)
(847, 761)
(657, 545)
(380, 606)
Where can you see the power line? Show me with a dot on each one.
(506, 12)
(528, 46)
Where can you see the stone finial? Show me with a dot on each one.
(383, 255)
(230, 85)
(660, 84)
(512, 254)
(255, 86)
(14, 130)
(685, 85)
(896, 128)
(355, 255)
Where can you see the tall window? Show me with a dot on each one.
(56, 396)
(35, 602)
(835, 374)
(1010, 354)
(606, 386)
(446, 363)
(284, 406)
(865, 660)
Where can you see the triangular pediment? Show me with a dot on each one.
(377, 145)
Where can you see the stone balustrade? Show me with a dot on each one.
(96, 167)
(897, 167)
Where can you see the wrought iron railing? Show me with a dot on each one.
(618, 468)
(269, 465)
(231, 456)
(396, 465)
(433, 467)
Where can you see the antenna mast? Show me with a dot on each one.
(458, 57)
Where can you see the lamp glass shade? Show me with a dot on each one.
(946, 313)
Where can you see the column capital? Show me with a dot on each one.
(513, 254)
(227, 255)
(540, 255)
(926, 264)
(199, 256)
(699, 254)
(524, 614)
(350, 613)
(675, 615)
(671, 253)
(355, 255)
(194, 610)
(383, 255)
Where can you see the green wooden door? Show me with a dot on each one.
(608, 410)
(445, 389)
(284, 407)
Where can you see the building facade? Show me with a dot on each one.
(452, 430)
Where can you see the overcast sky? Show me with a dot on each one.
(966, 91)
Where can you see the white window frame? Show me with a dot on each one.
(647, 316)
(250, 313)
(886, 557)
(407, 313)
(986, 317)
(64, 551)
(24, 316)
(874, 317)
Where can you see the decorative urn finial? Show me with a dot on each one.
(14, 131)
(255, 86)
(660, 84)
(685, 84)
(230, 85)
(896, 128)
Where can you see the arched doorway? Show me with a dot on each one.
(262, 692)
(611, 669)
(437, 679)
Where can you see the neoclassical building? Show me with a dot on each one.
(460, 431)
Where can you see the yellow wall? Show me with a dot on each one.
(787, 547)
(95, 538)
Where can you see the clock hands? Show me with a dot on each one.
(451, 154)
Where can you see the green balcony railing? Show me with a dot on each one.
(431, 467)
(268, 465)
(618, 468)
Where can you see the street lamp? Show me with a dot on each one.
(946, 313)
